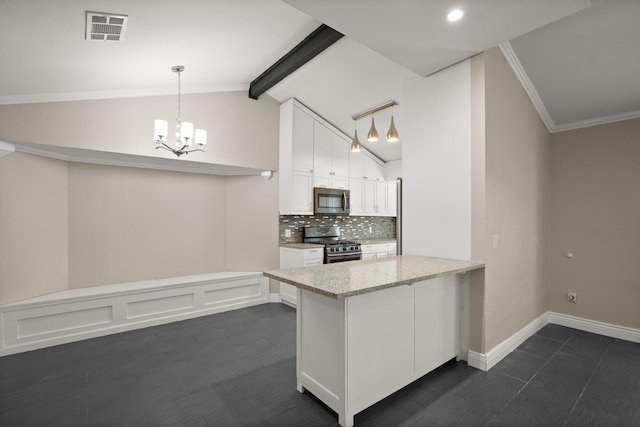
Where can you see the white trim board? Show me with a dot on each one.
(486, 361)
(593, 326)
(79, 314)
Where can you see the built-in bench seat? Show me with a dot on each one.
(78, 314)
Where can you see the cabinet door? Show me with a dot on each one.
(302, 141)
(340, 156)
(392, 198)
(322, 149)
(381, 334)
(340, 182)
(356, 185)
(369, 197)
(373, 169)
(302, 197)
(356, 164)
(381, 197)
(437, 317)
(322, 180)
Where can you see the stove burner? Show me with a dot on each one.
(335, 248)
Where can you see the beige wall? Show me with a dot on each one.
(240, 130)
(33, 226)
(596, 217)
(74, 225)
(252, 223)
(129, 224)
(517, 205)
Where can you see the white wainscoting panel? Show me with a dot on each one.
(78, 314)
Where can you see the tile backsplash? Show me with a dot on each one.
(351, 227)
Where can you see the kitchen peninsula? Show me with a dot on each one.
(367, 328)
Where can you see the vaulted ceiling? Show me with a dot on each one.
(576, 58)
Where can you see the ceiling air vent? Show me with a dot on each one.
(105, 26)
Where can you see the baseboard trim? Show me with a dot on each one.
(488, 360)
(274, 298)
(596, 327)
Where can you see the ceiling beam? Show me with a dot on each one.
(320, 39)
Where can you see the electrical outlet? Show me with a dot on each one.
(370, 229)
(496, 241)
(572, 297)
(287, 232)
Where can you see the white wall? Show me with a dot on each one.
(436, 164)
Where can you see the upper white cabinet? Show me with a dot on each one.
(296, 161)
(371, 195)
(330, 158)
(302, 147)
(315, 154)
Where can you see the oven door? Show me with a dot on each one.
(331, 258)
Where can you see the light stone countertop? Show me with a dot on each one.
(301, 245)
(345, 279)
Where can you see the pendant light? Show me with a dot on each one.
(372, 136)
(184, 130)
(392, 135)
(355, 145)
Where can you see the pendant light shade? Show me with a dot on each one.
(355, 145)
(372, 136)
(392, 135)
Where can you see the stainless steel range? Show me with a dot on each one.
(335, 248)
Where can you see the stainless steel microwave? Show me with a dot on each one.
(331, 201)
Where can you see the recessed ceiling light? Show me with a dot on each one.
(455, 15)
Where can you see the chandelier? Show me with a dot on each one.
(184, 130)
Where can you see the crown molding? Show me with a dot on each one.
(513, 60)
(598, 121)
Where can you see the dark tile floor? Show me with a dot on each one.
(238, 369)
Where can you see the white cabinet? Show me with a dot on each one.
(330, 158)
(356, 185)
(378, 250)
(292, 258)
(301, 197)
(353, 352)
(302, 147)
(311, 153)
(373, 169)
(295, 183)
(364, 165)
(371, 195)
(372, 198)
